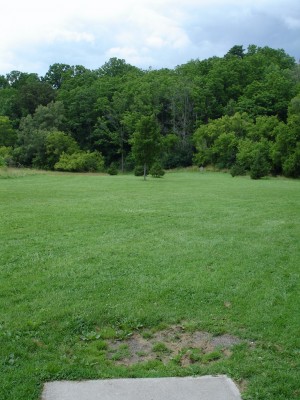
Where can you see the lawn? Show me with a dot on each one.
(91, 264)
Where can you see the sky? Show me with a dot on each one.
(35, 34)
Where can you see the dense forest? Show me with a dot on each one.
(239, 112)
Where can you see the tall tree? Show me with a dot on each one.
(56, 74)
(33, 94)
(146, 142)
(237, 51)
(33, 132)
(116, 67)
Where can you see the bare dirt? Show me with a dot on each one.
(172, 343)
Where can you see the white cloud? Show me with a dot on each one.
(70, 36)
(36, 33)
(155, 41)
(166, 30)
(293, 23)
(131, 55)
(146, 33)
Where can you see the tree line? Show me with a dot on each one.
(240, 112)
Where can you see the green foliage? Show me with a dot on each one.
(3, 82)
(260, 167)
(58, 143)
(254, 157)
(113, 169)
(179, 155)
(80, 162)
(32, 94)
(80, 109)
(56, 74)
(237, 170)
(49, 117)
(33, 146)
(139, 170)
(291, 165)
(217, 142)
(6, 156)
(198, 112)
(247, 150)
(264, 128)
(224, 150)
(269, 96)
(107, 138)
(156, 170)
(146, 142)
(8, 105)
(285, 150)
(7, 133)
(236, 51)
(116, 67)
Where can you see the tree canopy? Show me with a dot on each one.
(216, 111)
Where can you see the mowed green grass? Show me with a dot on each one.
(90, 253)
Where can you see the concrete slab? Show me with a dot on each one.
(189, 388)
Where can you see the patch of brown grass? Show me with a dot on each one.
(181, 345)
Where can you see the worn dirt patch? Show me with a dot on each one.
(173, 343)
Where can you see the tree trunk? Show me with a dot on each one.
(145, 170)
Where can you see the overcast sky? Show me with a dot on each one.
(159, 33)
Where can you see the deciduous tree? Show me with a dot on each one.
(8, 135)
(146, 142)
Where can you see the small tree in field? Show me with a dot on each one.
(260, 166)
(156, 170)
(146, 142)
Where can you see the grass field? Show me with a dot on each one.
(89, 262)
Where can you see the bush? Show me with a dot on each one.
(139, 170)
(291, 166)
(237, 170)
(57, 143)
(156, 170)
(112, 170)
(260, 167)
(6, 158)
(80, 162)
(129, 162)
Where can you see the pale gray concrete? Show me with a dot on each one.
(189, 388)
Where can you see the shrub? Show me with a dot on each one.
(57, 143)
(237, 170)
(112, 169)
(156, 170)
(291, 165)
(139, 170)
(6, 158)
(260, 167)
(80, 162)
(93, 161)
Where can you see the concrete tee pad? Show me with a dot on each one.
(189, 388)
